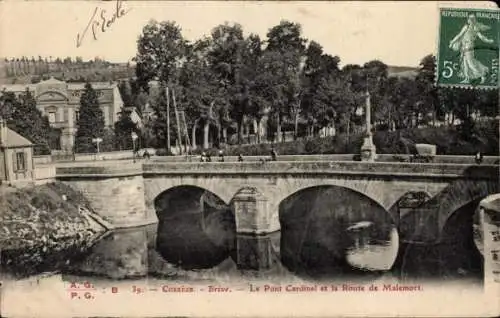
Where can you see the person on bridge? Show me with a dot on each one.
(274, 154)
(203, 157)
(240, 158)
(146, 155)
(221, 155)
(478, 157)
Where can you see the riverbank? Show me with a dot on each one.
(43, 227)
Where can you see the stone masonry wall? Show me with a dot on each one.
(119, 200)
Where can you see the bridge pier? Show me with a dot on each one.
(254, 252)
(252, 212)
(253, 218)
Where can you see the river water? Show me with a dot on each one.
(197, 242)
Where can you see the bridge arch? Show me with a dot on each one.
(324, 228)
(377, 190)
(459, 194)
(374, 189)
(342, 188)
(196, 229)
(187, 192)
(156, 186)
(409, 200)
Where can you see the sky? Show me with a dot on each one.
(395, 33)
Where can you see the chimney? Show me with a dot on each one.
(3, 132)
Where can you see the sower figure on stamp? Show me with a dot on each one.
(470, 67)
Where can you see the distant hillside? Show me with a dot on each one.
(26, 71)
(402, 71)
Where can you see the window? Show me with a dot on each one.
(77, 115)
(20, 163)
(52, 117)
(66, 115)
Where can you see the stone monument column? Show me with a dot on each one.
(368, 149)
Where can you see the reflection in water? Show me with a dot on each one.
(455, 256)
(322, 237)
(325, 235)
(196, 229)
(121, 254)
(373, 254)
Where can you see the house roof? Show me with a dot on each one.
(13, 139)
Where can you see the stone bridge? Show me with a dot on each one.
(125, 194)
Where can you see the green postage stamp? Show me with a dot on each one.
(468, 48)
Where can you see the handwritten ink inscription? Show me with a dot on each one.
(100, 21)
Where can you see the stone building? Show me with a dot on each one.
(60, 102)
(16, 156)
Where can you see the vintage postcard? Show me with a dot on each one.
(249, 159)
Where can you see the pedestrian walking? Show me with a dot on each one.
(274, 154)
(240, 158)
(203, 157)
(221, 155)
(478, 157)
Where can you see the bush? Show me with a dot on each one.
(163, 152)
(448, 141)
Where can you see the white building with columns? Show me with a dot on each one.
(60, 102)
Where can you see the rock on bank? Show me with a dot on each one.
(42, 228)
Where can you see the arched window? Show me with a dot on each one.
(51, 112)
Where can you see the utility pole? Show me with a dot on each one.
(179, 139)
(168, 119)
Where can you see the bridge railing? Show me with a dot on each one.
(383, 169)
(99, 171)
(333, 157)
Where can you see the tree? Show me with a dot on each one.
(287, 42)
(320, 72)
(401, 101)
(427, 90)
(123, 131)
(126, 93)
(375, 75)
(24, 118)
(204, 98)
(226, 57)
(160, 51)
(90, 122)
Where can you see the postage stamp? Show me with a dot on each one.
(468, 48)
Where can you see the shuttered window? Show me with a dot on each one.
(19, 161)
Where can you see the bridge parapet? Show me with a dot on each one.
(383, 169)
(103, 171)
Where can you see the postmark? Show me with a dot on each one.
(468, 48)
